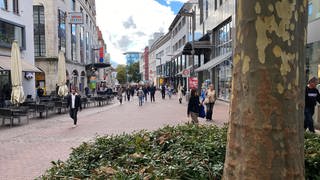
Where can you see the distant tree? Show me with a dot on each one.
(265, 138)
(133, 70)
(121, 73)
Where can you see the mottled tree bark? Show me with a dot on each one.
(265, 138)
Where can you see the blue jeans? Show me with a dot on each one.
(140, 100)
(308, 121)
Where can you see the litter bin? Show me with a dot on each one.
(187, 96)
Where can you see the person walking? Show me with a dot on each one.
(120, 95)
(128, 93)
(193, 107)
(152, 93)
(140, 96)
(169, 91)
(180, 93)
(163, 91)
(145, 92)
(209, 101)
(74, 103)
(311, 97)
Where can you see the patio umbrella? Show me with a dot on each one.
(62, 78)
(17, 94)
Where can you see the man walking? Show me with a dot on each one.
(311, 97)
(152, 92)
(74, 103)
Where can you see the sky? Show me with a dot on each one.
(127, 25)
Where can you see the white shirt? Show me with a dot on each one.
(73, 101)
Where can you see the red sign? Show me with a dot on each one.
(185, 72)
(193, 83)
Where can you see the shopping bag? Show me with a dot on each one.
(202, 113)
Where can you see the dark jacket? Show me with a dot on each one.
(152, 89)
(193, 105)
(77, 103)
(311, 97)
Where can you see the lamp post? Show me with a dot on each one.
(191, 14)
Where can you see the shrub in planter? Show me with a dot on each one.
(181, 152)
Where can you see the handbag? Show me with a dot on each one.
(202, 113)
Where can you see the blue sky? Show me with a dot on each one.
(174, 5)
(128, 25)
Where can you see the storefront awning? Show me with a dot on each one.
(199, 47)
(97, 65)
(5, 65)
(213, 62)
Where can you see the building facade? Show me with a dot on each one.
(313, 40)
(54, 33)
(16, 24)
(159, 55)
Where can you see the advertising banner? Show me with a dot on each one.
(193, 82)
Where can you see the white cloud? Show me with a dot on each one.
(127, 25)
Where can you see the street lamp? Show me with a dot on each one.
(193, 23)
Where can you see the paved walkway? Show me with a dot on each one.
(27, 150)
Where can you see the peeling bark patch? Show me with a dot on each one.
(280, 88)
(258, 8)
(246, 64)
(277, 51)
(236, 59)
(262, 39)
(286, 58)
(270, 7)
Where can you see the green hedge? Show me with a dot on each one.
(182, 152)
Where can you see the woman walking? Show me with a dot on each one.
(209, 101)
(194, 107)
(180, 93)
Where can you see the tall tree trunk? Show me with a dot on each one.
(265, 138)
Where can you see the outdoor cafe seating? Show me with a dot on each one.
(12, 113)
(43, 106)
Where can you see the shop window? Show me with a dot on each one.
(10, 32)
(4, 4)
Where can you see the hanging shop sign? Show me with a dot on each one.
(75, 17)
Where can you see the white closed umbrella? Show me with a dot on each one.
(17, 94)
(62, 77)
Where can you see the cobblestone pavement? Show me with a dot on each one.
(27, 150)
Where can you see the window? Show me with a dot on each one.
(87, 19)
(73, 42)
(82, 44)
(207, 8)
(39, 31)
(310, 8)
(87, 47)
(10, 32)
(215, 5)
(15, 6)
(61, 30)
(73, 5)
(220, 2)
(222, 39)
(4, 4)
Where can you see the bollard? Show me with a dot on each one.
(187, 96)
